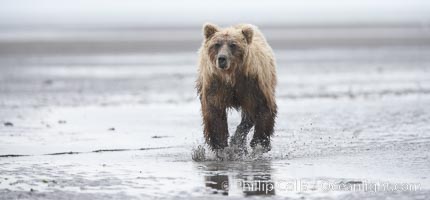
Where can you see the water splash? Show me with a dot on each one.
(202, 153)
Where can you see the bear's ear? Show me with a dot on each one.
(248, 32)
(209, 30)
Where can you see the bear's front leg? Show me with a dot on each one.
(264, 126)
(215, 126)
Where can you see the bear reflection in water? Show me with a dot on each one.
(246, 178)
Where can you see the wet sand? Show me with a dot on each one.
(117, 117)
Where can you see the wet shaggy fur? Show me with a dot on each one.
(236, 70)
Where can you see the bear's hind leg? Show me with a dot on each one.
(242, 130)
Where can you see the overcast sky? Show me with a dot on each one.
(195, 12)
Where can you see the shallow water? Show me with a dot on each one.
(353, 123)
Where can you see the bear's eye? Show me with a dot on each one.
(217, 45)
(232, 46)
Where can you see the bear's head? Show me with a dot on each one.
(227, 47)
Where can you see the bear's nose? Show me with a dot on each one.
(222, 62)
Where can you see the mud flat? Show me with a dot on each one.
(120, 120)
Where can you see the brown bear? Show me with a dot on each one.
(236, 70)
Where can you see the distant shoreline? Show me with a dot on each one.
(165, 39)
